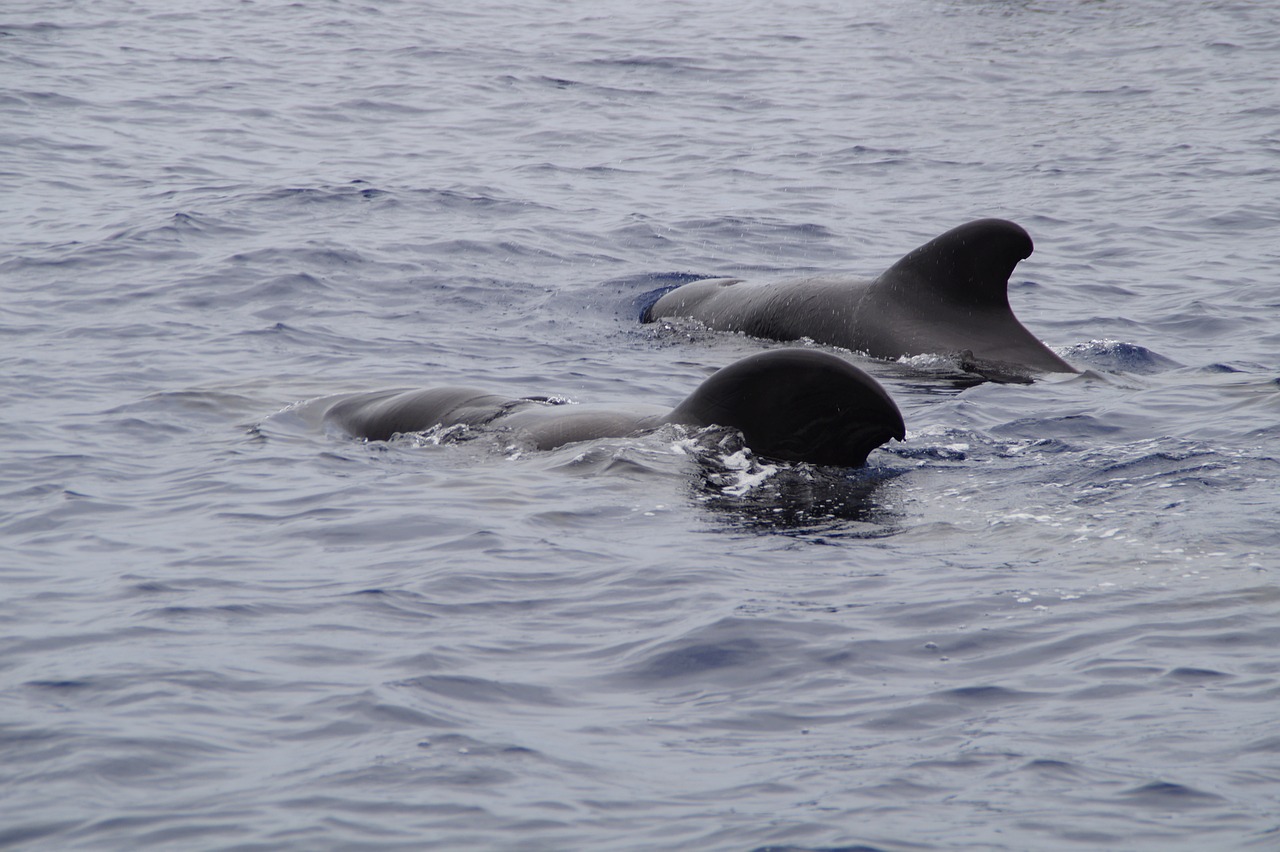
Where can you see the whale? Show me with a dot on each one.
(947, 297)
(794, 405)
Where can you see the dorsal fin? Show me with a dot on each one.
(797, 405)
(968, 265)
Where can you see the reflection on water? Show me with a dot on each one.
(793, 499)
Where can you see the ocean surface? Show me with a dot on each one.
(1048, 620)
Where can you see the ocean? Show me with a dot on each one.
(1047, 620)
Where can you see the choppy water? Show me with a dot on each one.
(1049, 620)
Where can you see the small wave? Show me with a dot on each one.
(951, 453)
(1166, 794)
(356, 190)
(653, 286)
(699, 659)
(1116, 356)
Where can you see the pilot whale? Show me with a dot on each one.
(798, 405)
(949, 296)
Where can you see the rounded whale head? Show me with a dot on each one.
(797, 405)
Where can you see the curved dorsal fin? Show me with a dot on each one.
(797, 405)
(969, 265)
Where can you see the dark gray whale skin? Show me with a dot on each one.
(790, 404)
(949, 296)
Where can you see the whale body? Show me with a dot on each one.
(949, 296)
(790, 404)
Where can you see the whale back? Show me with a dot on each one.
(949, 296)
(378, 415)
(797, 405)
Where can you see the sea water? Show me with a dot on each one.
(1047, 620)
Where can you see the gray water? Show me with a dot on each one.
(1048, 620)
